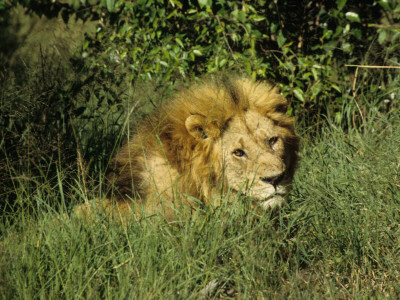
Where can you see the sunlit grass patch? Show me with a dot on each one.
(338, 237)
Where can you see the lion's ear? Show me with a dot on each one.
(197, 127)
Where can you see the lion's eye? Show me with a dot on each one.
(239, 153)
(272, 141)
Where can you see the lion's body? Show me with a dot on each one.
(229, 134)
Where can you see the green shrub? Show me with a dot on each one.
(301, 46)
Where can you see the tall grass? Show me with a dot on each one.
(339, 237)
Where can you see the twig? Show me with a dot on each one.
(355, 80)
(355, 95)
(123, 263)
(225, 39)
(373, 67)
(394, 26)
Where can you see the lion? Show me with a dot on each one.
(231, 134)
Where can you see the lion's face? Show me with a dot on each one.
(256, 158)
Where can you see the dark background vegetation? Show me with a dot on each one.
(72, 71)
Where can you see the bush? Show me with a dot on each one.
(302, 46)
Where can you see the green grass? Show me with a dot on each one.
(339, 237)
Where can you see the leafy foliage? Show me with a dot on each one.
(302, 46)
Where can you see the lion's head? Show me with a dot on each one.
(257, 158)
(239, 133)
(232, 133)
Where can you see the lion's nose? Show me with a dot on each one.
(274, 180)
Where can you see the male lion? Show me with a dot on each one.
(218, 135)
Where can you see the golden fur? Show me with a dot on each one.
(217, 135)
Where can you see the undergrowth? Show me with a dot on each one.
(337, 238)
